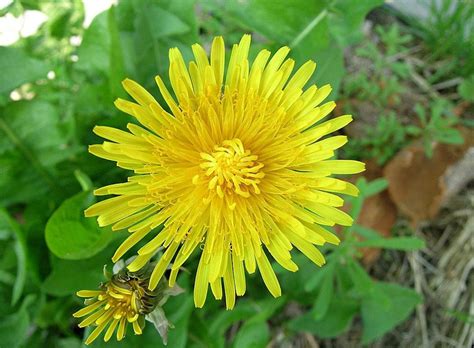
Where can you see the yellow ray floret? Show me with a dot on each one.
(117, 304)
(240, 167)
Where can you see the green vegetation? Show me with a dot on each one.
(384, 80)
(58, 83)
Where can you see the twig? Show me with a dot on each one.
(464, 238)
(443, 239)
(467, 334)
(312, 343)
(420, 81)
(420, 309)
(448, 83)
(429, 266)
(404, 54)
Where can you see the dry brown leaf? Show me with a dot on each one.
(417, 183)
(460, 109)
(378, 213)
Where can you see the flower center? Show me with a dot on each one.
(129, 296)
(231, 168)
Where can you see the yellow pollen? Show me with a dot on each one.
(231, 168)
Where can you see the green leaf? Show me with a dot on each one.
(449, 136)
(380, 317)
(164, 23)
(55, 311)
(278, 21)
(257, 310)
(7, 224)
(304, 26)
(301, 285)
(18, 68)
(319, 22)
(6, 278)
(466, 89)
(357, 202)
(14, 328)
(152, 38)
(325, 293)
(464, 317)
(70, 342)
(94, 51)
(338, 319)
(315, 279)
(15, 8)
(330, 67)
(220, 323)
(374, 187)
(252, 335)
(186, 11)
(265, 308)
(363, 283)
(308, 28)
(347, 17)
(29, 154)
(65, 18)
(397, 243)
(68, 277)
(70, 235)
(178, 309)
(365, 232)
(117, 70)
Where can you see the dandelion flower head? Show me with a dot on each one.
(236, 165)
(124, 299)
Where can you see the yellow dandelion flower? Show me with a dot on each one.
(124, 299)
(239, 166)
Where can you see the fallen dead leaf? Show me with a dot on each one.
(417, 184)
(460, 109)
(378, 213)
